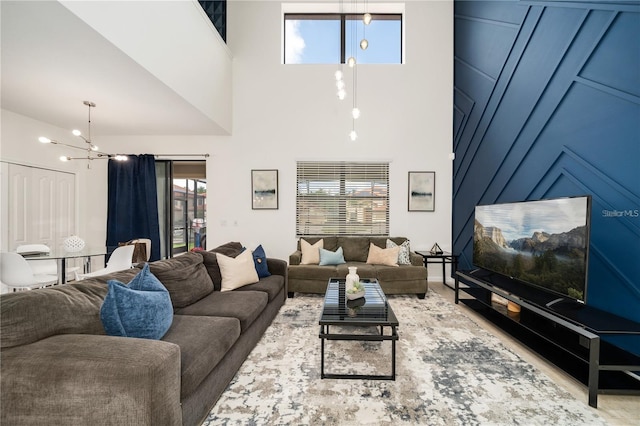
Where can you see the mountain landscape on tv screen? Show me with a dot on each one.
(555, 261)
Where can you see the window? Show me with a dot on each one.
(342, 198)
(330, 38)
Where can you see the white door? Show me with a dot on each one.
(66, 206)
(40, 206)
(19, 211)
(42, 202)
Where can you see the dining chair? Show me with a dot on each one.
(43, 266)
(119, 261)
(147, 243)
(147, 247)
(16, 273)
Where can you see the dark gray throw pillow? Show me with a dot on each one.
(185, 277)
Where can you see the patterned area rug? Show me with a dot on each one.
(449, 370)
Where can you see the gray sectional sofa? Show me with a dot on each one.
(313, 278)
(59, 368)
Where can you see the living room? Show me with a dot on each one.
(268, 127)
(258, 113)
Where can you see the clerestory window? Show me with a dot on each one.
(331, 38)
(342, 198)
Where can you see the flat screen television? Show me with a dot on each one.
(543, 243)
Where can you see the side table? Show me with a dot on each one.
(443, 258)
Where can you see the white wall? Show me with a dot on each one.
(195, 63)
(285, 113)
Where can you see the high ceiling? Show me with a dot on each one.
(52, 61)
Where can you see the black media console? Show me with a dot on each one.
(570, 334)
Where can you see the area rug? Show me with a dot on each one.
(449, 370)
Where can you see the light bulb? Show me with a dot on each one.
(64, 158)
(355, 112)
(351, 61)
(366, 18)
(353, 135)
(93, 147)
(342, 94)
(338, 75)
(76, 132)
(340, 84)
(364, 44)
(44, 139)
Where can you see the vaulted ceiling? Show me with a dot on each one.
(52, 61)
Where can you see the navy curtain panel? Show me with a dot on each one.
(132, 209)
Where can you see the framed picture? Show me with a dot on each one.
(264, 189)
(422, 191)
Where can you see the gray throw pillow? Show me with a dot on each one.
(185, 277)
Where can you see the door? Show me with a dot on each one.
(182, 194)
(38, 206)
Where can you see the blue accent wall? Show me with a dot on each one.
(547, 104)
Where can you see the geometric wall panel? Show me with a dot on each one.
(547, 104)
(217, 13)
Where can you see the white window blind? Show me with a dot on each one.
(342, 198)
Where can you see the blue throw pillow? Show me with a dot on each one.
(328, 257)
(260, 260)
(141, 309)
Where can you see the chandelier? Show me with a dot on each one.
(352, 62)
(91, 151)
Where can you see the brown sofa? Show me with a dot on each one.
(402, 279)
(59, 367)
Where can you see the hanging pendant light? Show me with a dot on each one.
(92, 152)
(366, 18)
(364, 44)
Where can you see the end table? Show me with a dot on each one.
(444, 258)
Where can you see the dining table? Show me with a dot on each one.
(62, 256)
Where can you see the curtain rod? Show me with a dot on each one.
(181, 155)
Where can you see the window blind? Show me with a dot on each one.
(342, 198)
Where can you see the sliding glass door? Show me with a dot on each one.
(182, 194)
(189, 214)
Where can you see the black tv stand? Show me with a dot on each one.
(567, 333)
(563, 303)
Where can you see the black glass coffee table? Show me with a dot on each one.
(371, 311)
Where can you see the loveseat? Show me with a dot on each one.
(409, 277)
(59, 368)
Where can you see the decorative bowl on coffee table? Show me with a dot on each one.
(356, 291)
(356, 295)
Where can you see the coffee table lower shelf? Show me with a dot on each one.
(393, 337)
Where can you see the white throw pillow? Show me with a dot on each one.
(403, 255)
(310, 253)
(237, 271)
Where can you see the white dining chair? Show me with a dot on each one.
(44, 266)
(16, 273)
(119, 261)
